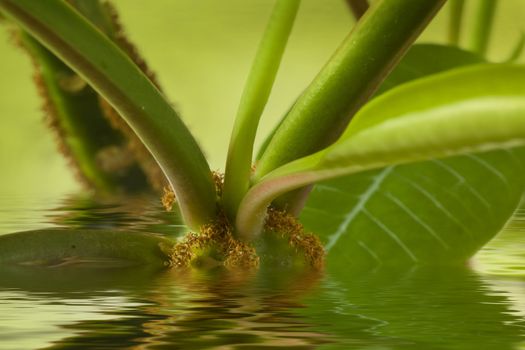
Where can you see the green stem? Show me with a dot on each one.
(455, 21)
(351, 76)
(358, 7)
(253, 101)
(482, 26)
(120, 81)
(348, 80)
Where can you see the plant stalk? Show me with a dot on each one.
(482, 26)
(253, 101)
(348, 80)
(455, 21)
(112, 74)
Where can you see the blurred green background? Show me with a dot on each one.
(201, 51)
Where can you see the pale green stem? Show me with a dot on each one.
(481, 27)
(114, 76)
(455, 21)
(253, 101)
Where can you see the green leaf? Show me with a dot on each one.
(421, 60)
(427, 59)
(469, 109)
(472, 109)
(435, 212)
(114, 76)
(53, 247)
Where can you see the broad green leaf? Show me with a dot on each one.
(435, 212)
(464, 110)
(115, 77)
(473, 109)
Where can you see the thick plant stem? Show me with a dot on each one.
(482, 26)
(350, 77)
(358, 7)
(455, 21)
(253, 100)
(112, 73)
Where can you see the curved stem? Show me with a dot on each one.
(364, 59)
(138, 101)
(351, 76)
(253, 100)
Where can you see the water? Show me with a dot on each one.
(476, 307)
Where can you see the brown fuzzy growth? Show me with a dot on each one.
(122, 41)
(287, 226)
(218, 179)
(168, 199)
(215, 245)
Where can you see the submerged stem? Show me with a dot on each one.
(253, 100)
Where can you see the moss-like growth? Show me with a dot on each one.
(287, 227)
(168, 198)
(215, 245)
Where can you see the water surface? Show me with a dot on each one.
(481, 306)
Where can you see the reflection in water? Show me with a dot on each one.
(418, 309)
(88, 308)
